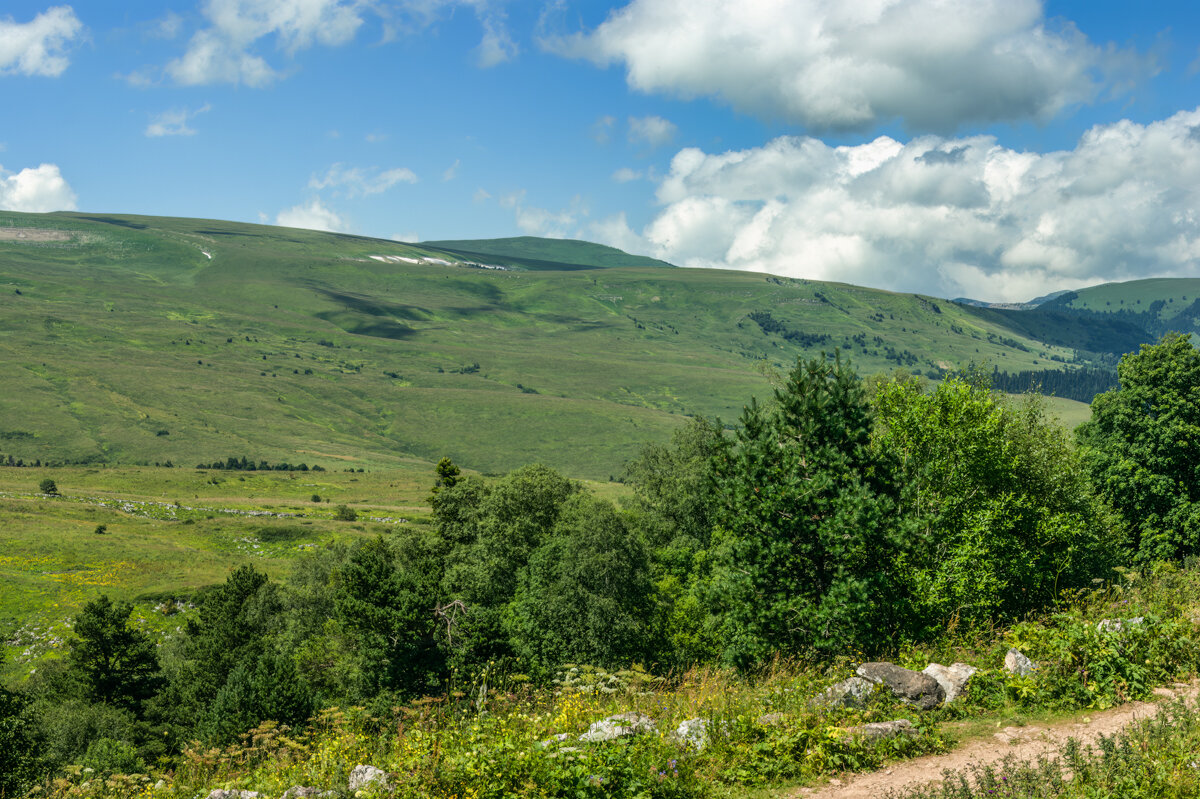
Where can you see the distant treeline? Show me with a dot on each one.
(9, 460)
(244, 464)
(1076, 384)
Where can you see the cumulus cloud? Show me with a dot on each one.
(951, 217)
(651, 130)
(311, 216)
(495, 47)
(933, 64)
(358, 182)
(174, 122)
(536, 221)
(38, 47)
(35, 190)
(223, 51)
(626, 175)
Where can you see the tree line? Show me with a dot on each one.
(838, 516)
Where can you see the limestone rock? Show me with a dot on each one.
(227, 794)
(1016, 663)
(1119, 625)
(555, 739)
(884, 729)
(851, 692)
(618, 726)
(912, 687)
(953, 678)
(366, 777)
(693, 733)
(306, 792)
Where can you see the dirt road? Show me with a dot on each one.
(1024, 743)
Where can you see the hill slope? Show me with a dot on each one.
(139, 339)
(531, 248)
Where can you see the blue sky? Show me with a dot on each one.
(996, 148)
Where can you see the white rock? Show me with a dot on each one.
(368, 777)
(953, 678)
(1017, 663)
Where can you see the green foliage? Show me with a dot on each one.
(48, 486)
(1141, 447)
(344, 513)
(20, 744)
(269, 689)
(491, 531)
(807, 510)
(586, 596)
(110, 756)
(385, 598)
(117, 663)
(1003, 514)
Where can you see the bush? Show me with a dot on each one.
(344, 513)
(111, 756)
(48, 486)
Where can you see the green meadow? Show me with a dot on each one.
(142, 340)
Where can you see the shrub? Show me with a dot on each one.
(344, 513)
(48, 486)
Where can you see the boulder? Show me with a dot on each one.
(369, 777)
(555, 739)
(226, 794)
(1016, 663)
(1118, 625)
(953, 678)
(692, 733)
(851, 692)
(883, 729)
(911, 687)
(617, 726)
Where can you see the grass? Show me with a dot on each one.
(296, 345)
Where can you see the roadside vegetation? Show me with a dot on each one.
(745, 571)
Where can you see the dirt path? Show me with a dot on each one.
(1024, 743)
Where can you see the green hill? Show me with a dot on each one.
(128, 339)
(544, 251)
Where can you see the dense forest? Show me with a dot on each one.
(840, 516)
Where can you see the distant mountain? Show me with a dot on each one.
(1012, 306)
(542, 251)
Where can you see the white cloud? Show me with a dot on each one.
(535, 221)
(358, 182)
(407, 238)
(311, 216)
(602, 129)
(626, 175)
(223, 51)
(174, 122)
(481, 195)
(35, 190)
(933, 64)
(651, 130)
(497, 45)
(452, 170)
(950, 217)
(38, 47)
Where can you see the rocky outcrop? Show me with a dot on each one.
(1016, 663)
(883, 729)
(851, 692)
(692, 733)
(225, 794)
(369, 778)
(617, 726)
(952, 678)
(911, 687)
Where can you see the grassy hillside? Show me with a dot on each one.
(563, 251)
(128, 339)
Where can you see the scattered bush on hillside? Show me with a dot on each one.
(48, 486)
